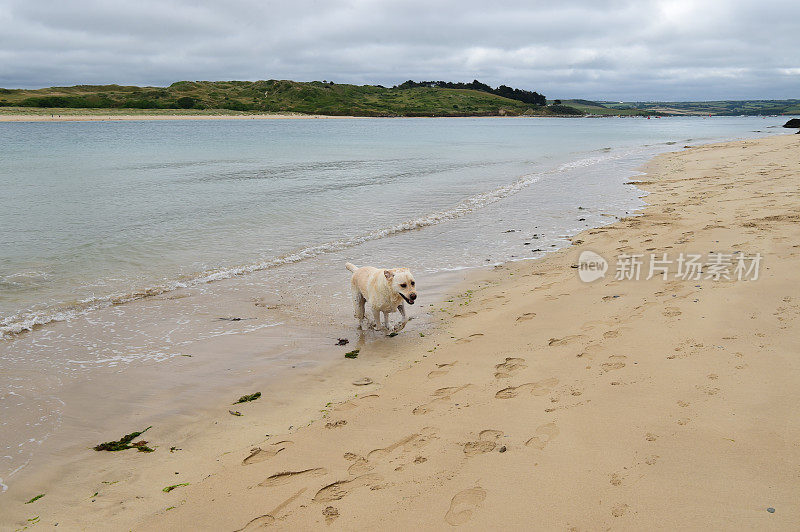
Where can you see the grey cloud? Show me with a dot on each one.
(651, 49)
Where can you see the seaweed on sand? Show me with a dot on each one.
(248, 398)
(125, 443)
(170, 488)
(35, 498)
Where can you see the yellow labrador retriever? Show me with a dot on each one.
(384, 290)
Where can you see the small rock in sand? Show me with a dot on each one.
(363, 381)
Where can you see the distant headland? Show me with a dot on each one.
(326, 98)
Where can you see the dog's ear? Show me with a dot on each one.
(389, 275)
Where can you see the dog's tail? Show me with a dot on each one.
(350, 267)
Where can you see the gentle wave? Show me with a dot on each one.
(26, 321)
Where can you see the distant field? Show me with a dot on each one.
(721, 108)
(594, 108)
(274, 96)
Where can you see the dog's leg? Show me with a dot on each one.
(400, 326)
(386, 321)
(376, 317)
(358, 305)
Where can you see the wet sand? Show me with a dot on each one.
(538, 401)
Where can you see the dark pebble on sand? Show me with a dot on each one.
(771, 510)
(502, 449)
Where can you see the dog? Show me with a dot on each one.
(385, 290)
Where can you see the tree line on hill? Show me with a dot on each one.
(531, 97)
(425, 98)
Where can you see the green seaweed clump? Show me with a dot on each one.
(35, 498)
(248, 398)
(352, 354)
(125, 443)
(170, 488)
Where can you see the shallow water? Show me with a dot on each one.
(94, 216)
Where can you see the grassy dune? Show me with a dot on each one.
(278, 97)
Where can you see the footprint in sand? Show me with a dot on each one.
(463, 505)
(564, 341)
(410, 443)
(468, 338)
(708, 390)
(355, 403)
(464, 314)
(611, 334)
(442, 395)
(359, 466)
(286, 476)
(611, 366)
(619, 510)
(331, 514)
(265, 520)
(441, 369)
(672, 312)
(526, 316)
(338, 490)
(537, 388)
(509, 367)
(543, 435)
(590, 325)
(487, 441)
(257, 454)
(588, 353)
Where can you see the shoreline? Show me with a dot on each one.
(109, 117)
(458, 426)
(89, 115)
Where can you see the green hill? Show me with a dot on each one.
(316, 97)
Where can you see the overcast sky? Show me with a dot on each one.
(614, 50)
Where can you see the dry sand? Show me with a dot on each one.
(540, 402)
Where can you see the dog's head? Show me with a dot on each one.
(401, 281)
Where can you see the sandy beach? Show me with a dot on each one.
(538, 401)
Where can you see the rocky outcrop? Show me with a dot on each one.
(794, 122)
